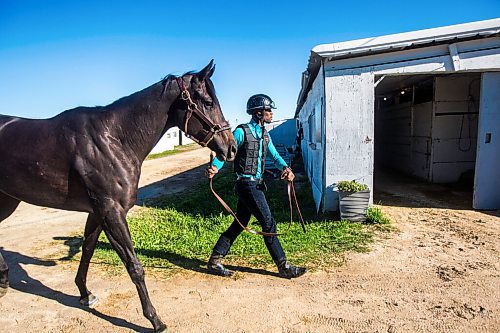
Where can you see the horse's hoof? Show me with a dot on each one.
(163, 329)
(89, 301)
(3, 291)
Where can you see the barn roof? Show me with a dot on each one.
(391, 43)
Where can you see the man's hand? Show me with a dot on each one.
(288, 174)
(211, 171)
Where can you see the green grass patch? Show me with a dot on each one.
(176, 150)
(180, 231)
(374, 215)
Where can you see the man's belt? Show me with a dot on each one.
(254, 179)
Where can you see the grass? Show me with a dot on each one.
(176, 150)
(180, 231)
(374, 215)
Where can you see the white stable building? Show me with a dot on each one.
(425, 103)
(172, 137)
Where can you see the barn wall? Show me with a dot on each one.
(348, 109)
(349, 130)
(454, 130)
(421, 140)
(487, 176)
(311, 117)
(403, 138)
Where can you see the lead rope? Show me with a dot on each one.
(291, 193)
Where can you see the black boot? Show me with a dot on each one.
(288, 271)
(215, 266)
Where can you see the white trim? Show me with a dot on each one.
(455, 56)
(402, 40)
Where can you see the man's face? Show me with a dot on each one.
(268, 116)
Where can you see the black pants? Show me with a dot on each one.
(251, 200)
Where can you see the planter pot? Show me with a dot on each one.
(353, 205)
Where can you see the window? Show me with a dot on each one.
(318, 121)
(310, 121)
(315, 122)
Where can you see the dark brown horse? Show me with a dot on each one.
(89, 159)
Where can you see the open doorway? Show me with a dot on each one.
(426, 134)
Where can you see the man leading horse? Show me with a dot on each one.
(254, 143)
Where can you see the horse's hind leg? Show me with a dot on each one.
(93, 229)
(7, 206)
(116, 229)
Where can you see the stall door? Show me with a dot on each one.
(487, 175)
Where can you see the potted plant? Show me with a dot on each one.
(354, 198)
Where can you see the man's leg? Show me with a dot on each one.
(227, 239)
(258, 206)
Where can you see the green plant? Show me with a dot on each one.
(374, 215)
(351, 186)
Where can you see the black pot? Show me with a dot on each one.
(353, 205)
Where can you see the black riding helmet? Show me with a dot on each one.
(259, 102)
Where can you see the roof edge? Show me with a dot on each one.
(358, 46)
(389, 43)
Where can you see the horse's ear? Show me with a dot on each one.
(211, 71)
(207, 71)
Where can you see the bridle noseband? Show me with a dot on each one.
(193, 108)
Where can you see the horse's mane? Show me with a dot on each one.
(168, 77)
(210, 85)
(173, 76)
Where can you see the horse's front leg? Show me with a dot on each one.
(7, 206)
(116, 229)
(93, 229)
(4, 276)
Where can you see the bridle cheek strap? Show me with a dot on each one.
(193, 108)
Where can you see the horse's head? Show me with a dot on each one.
(199, 114)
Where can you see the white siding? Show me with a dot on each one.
(487, 179)
(170, 139)
(476, 55)
(345, 90)
(349, 132)
(312, 150)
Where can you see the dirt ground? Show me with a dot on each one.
(439, 272)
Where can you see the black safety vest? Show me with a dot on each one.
(247, 157)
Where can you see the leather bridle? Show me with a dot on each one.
(192, 107)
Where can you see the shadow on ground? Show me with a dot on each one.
(395, 189)
(174, 185)
(21, 281)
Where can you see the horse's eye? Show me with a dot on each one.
(208, 103)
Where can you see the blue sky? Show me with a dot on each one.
(57, 55)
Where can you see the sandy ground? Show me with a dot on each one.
(439, 272)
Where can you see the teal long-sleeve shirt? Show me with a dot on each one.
(239, 136)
